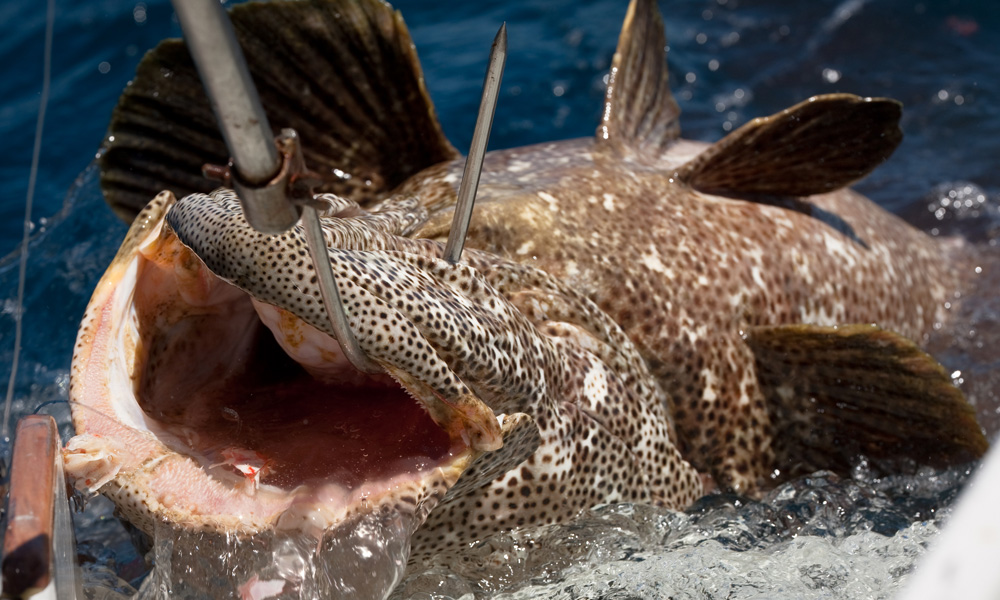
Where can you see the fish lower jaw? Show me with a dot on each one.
(188, 411)
(147, 500)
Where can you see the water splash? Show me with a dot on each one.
(817, 536)
(957, 208)
(364, 559)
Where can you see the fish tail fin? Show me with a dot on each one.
(343, 73)
(836, 394)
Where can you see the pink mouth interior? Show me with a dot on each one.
(220, 383)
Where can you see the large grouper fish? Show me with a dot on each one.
(637, 317)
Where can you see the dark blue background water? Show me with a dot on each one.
(731, 60)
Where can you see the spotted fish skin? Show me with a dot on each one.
(685, 273)
(611, 290)
(521, 340)
(687, 245)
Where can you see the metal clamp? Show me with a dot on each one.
(212, 41)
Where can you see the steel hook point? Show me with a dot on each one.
(477, 149)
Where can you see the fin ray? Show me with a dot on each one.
(817, 146)
(640, 113)
(344, 74)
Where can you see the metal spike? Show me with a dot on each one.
(477, 150)
(331, 295)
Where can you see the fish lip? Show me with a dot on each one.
(140, 458)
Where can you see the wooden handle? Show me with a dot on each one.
(27, 547)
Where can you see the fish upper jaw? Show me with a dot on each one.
(464, 415)
(165, 347)
(429, 323)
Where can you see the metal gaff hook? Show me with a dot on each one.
(262, 177)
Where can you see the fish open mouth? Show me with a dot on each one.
(268, 409)
(232, 377)
(203, 406)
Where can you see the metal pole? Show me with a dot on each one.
(263, 194)
(477, 149)
(212, 41)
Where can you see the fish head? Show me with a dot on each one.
(209, 393)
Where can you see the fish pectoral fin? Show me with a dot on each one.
(640, 113)
(838, 393)
(817, 146)
(344, 74)
(520, 440)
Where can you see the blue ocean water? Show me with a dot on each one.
(731, 60)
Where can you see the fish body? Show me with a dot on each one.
(634, 314)
(687, 274)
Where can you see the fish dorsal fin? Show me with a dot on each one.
(343, 73)
(640, 113)
(837, 393)
(816, 146)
